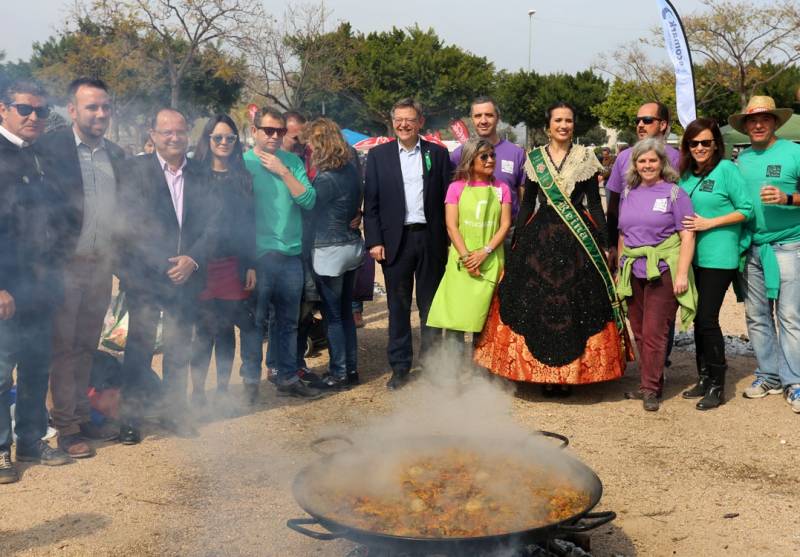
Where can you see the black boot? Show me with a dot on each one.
(703, 380)
(715, 395)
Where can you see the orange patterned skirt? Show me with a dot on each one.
(505, 353)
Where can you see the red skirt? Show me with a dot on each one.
(505, 353)
(223, 281)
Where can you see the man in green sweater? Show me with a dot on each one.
(771, 170)
(281, 190)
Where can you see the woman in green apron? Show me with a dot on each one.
(478, 216)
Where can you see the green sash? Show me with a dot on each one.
(575, 224)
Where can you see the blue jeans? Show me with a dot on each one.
(279, 286)
(25, 343)
(777, 351)
(337, 309)
(302, 340)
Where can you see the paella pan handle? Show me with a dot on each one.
(318, 443)
(563, 438)
(594, 520)
(297, 524)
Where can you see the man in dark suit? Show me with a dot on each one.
(406, 183)
(32, 248)
(89, 168)
(169, 221)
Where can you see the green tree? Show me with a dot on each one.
(12, 71)
(524, 97)
(369, 73)
(138, 82)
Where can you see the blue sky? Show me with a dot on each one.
(567, 35)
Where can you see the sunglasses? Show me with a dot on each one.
(486, 156)
(647, 120)
(693, 143)
(24, 110)
(269, 131)
(219, 139)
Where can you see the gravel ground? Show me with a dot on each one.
(682, 482)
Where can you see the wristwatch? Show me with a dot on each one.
(487, 249)
(790, 199)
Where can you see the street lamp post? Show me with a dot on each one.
(530, 36)
(530, 47)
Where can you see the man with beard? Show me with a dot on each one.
(652, 120)
(771, 278)
(89, 167)
(170, 215)
(510, 158)
(32, 248)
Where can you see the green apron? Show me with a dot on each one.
(462, 300)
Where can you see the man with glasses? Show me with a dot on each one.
(89, 168)
(170, 214)
(404, 225)
(652, 120)
(282, 191)
(31, 254)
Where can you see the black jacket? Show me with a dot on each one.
(385, 201)
(33, 238)
(151, 233)
(62, 155)
(236, 233)
(338, 201)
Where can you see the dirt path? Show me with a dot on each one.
(672, 476)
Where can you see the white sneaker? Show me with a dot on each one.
(760, 388)
(793, 397)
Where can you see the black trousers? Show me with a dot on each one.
(712, 284)
(178, 325)
(412, 264)
(216, 320)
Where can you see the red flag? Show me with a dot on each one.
(251, 111)
(460, 131)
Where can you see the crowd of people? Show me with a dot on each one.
(521, 250)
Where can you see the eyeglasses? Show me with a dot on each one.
(219, 139)
(24, 110)
(269, 131)
(647, 120)
(181, 134)
(399, 121)
(694, 143)
(486, 156)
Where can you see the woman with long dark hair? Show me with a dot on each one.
(721, 205)
(555, 319)
(337, 250)
(231, 276)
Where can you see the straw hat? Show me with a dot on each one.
(760, 105)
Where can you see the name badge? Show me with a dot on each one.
(507, 167)
(707, 186)
(660, 205)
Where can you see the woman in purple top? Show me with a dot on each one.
(652, 236)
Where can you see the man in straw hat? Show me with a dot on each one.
(771, 169)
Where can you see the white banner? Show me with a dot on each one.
(678, 50)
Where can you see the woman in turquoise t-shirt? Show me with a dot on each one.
(721, 206)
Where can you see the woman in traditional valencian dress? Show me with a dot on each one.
(555, 319)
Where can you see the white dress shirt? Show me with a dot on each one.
(411, 167)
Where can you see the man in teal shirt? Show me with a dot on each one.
(771, 170)
(281, 190)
